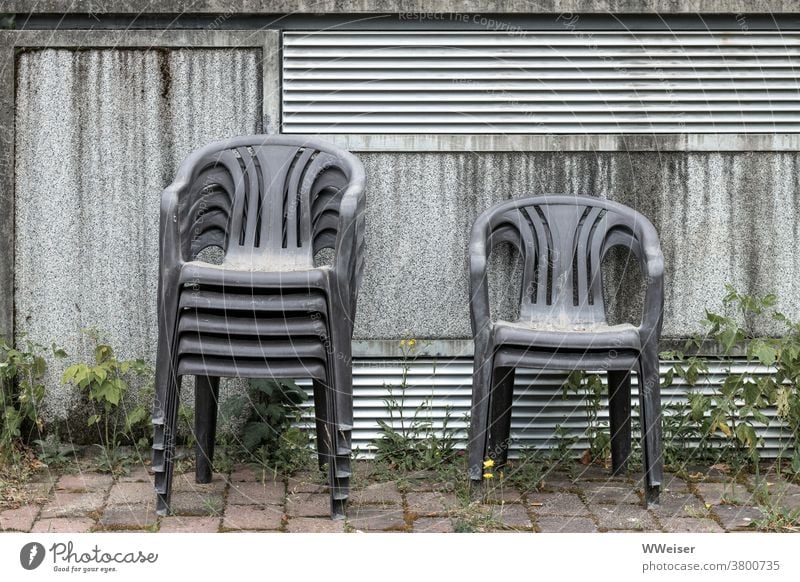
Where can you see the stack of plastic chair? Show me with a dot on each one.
(271, 204)
(562, 325)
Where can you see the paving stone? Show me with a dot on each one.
(139, 474)
(558, 481)
(433, 525)
(724, 493)
(128, 516)
(624, 516)
(269, 493)
(421, 481)
(499, 494)
(785, 495)
(45, 477)
(186, 482)
(679, 505)
(376, 519)
(73, 504)
(132, 493)
(252, 517)
(37, 491)
(315, 525)
(306, 482)
(594, 473)
(63, 525)
(308, 505)
(242, 473)
(736, 517)
(83, 482)
(435, 483)
(190, 503)
(512, 516)
(385, 494)
(690, 525)
(174, 524)
(562, 503)
(701, 473)
(602, 493)
(20, 519)
(553, 524)
(430, 502)
(674, 484)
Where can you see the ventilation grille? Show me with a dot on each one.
(438, 388)
(536, 82)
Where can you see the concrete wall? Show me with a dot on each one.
(99, 133)
(722, 217)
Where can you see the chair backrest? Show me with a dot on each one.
(269, 201)
(562, 241)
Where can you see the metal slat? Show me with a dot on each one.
(538, 403)
(344, 99)
(423, 82)
(546, 38)
(470, 108)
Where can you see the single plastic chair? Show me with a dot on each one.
(270, 203)
(562, 325)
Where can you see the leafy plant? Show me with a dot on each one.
(597, 432)
(22, 391)
(53, 452)
(106, 383)
(270, 435)
(732, 413)
(778, 519)
(412, 443)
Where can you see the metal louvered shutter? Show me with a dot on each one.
(438, 387)
(536, 82)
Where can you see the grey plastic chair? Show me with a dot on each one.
(562, 323)
(270, 203)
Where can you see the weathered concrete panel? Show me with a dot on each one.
(99, 134)
(722, 218)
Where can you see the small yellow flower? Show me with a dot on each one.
(488, 464)
(412, 342)
(488, 476)
(402, 342)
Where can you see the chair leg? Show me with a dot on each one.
(500, 402)
(324, 434)
(479, 414)
(619, 403)
(340, 415)
(165, 408)
(206, 397)
(650, 404)
(164, 443)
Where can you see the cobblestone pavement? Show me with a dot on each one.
(585, 499)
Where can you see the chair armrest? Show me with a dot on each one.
(348, 261)
(170, 248)
(650, 328)
(479, 286)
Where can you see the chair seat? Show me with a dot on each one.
(568, 337)
(202, 273)
(561, 359)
